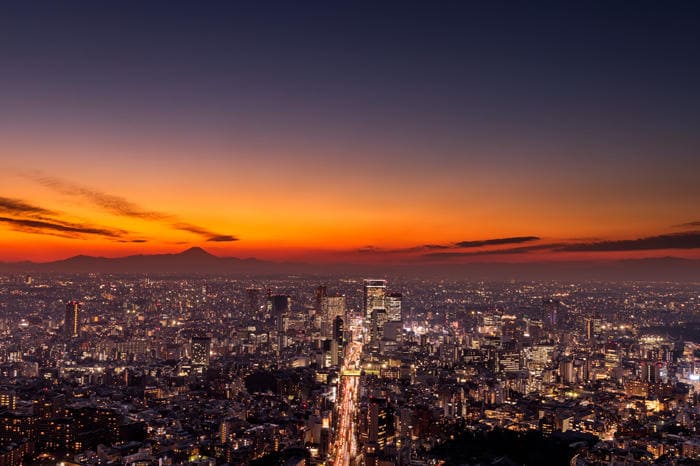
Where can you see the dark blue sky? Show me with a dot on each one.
(592, 72)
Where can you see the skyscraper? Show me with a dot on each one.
(278, 304)
(331, 307)
(253, 300)
(374, 296)
(71, 326)
(393, 306)
(321, 292)
(201, 348)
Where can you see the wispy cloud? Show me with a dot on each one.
(64, 228)
(492, 252)
(496, 241)
(694, 224)
(121, 206)
(108, 202)
(442, 247)
(209, 235)
(689, 240)
(19, 207)
(21, 215)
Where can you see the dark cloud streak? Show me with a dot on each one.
(123, 207)
(694, 224)
(492, 252)
(37, 226)
(209, 235)
(114, 204)
(689, 240)
(21, 208)
(496, 241)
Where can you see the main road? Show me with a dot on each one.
(345, 443)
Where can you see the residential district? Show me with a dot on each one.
(105, 369)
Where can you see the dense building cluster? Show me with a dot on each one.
(101, 369)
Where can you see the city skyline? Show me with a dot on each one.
(350, 134)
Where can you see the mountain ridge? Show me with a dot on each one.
(197, 260)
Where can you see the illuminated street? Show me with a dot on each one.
(345, 445)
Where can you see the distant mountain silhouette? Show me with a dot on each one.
(193, 260)
(198, 261)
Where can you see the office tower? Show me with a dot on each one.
(552, 311)
(589, 329)
(509, 361)
(378, 425)
(8, 399)
(393, 306)
(321, 292)
(71, 326)
(377, 322)
(566, 371)
(374, 296)
(278, 304)
(338, 340)
(201, 348)
(651, 372)
(253, 300)
(331, 307)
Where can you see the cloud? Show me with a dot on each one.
(492, 252)
(440, 247)
(23, 216)
(222, 238)
(118, 205)
(209, 235)
(62, 228)
(689, 240)
(496, 241)
(22, 208)
(694, 224)
(114, 204)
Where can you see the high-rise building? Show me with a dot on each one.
(201, 348)
(71, 326)
(378, 425)
(321, 292)
(552, 311)
(331, 307)
(393, 306)
(338, 340)
(278, 304)
(377, 322)
(253, 303)
(374, 296)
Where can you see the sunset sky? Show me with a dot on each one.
(320, 131)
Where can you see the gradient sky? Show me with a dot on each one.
(333, 131)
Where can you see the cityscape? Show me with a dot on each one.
(367, 233)
(103, 369)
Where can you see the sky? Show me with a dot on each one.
(350, 131)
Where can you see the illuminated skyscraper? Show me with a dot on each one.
(201, 348)
(393, 306)
(378, 422)
(331, 307)
(71, 326)
(374, 296)
(376, 328)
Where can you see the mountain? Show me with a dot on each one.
(193, 260)
(198, 261)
